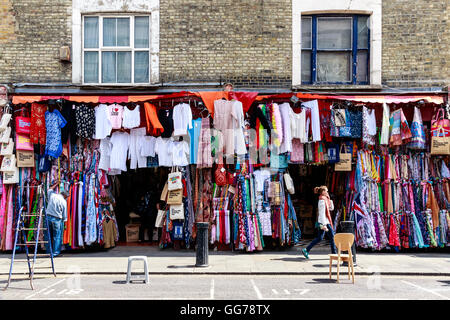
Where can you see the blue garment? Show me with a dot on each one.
(330, 234)
(55, 228)
(54, 121)
(194, 136)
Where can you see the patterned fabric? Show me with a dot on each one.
(54, 121)
(85, 117)
(353, 124)
(37, 128)
(367, 138)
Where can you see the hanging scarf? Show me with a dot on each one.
(327, 208)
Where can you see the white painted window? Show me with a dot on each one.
(116, 49)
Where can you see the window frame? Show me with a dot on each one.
(131, 48)
(354, 50)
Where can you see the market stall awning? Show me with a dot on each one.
(391, 99)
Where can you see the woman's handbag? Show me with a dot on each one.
(440, 145)
(439, 122)
(418, 140)
(23, 125)
(11, 177)
(8, 163)
(7, 148)
(174, 181)
(345, 161)
(220, 175)
(6, 118)
(159, 223)
(5, 135)
(175, 197)
(176, 212)
(23, 143)
(289, 183)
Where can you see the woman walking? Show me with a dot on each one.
(324, 221)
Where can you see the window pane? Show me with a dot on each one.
(91, 32)
(109, 32)
(108, 67)
(306, 66)
(141, 32)
(123, 32)
(361, 66)
(333, 66)
(141, 67)
(334, 33)
(363, 32)
(91, 67)
(124, 67)
(306, 33)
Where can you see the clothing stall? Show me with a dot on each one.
(147, 168)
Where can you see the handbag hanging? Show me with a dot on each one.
(289, 183)
(418, 140)
(7, 148)
(440, 144)
(345, 161)
(5, 135)
(23, 143)
(174, 181)
(439, 122)
(6, 118)
(159, 223)
(176, 212)
(11, 177)
(175, 197)
(8, 163)
(220, 175)
(23, 125)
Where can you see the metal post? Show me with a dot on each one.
(202, 244)
(349, 227)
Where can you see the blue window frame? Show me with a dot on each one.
(335, 49)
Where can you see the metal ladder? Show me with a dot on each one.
(22, 228)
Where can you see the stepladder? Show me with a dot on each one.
(31, 232)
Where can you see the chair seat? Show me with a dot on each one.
(335, 256)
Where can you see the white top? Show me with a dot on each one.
(103, 124)
(120, 142)
(182, 119)
(371, 122)
(105, 153)
(147, 146)
(162, 149)
(131, 118)
(115, 115)
(322, 218)
(179, 151)
(238, 120)
(298, 126)
(286, 144)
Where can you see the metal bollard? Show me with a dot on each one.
(202, 244)
(349, 227)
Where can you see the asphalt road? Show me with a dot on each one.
(226, 287)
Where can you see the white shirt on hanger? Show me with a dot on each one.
(131, 118)
(147, 146)
(260, 177)
(315, 118)
(238, 116)
(298, 126)
(162, 149)
(120, 142)
(103, 124)
(286, 144)
(105, 154)
(179, 151)
(182, 119)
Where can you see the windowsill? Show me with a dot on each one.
(348, 87)
(118, 85)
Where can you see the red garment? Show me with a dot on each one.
(325, 119)
(37, 128)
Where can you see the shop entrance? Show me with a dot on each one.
(138, 194)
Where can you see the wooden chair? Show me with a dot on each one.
(344, 242)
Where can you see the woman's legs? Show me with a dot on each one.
(316, 240)
(330, 234)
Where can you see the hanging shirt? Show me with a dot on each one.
(238, 127)
(54, 121)
(103, 125)
(154, 127)
(147, 146)
(131, 118)
(162, 149)
(182, 119)
(115, 115)
(194, 137)
(298, 126)
(179, 151)
(315, 118)
(85, 116)
(286, 144)
(166, 119)
(261, 176)
(37, 127)
(105, 154)
(120, 142)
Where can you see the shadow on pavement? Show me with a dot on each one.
(324, 280)
(188, 266)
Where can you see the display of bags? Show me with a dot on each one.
(176, 212)
(439, 122)
(164, 192)
(25, 159)
(6, 117)
(333, 153)
(289, 183)
(175, 197)
(23, 125)
(8, 163)
(159, 223)
(339, 117)
(44, 163)
(23, 142)
(5, 135)
(11, 177)
(7, 148)
(345, 161)
(440, 145)
(175, 181)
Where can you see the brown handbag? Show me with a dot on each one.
(175, 197)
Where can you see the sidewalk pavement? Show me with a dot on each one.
(287, 262)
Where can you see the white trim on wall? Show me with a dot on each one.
(82, 7)
(371, 7)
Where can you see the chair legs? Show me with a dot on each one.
(331, 263)
(338, 262)
(353, 270)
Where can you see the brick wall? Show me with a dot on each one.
(247, 42)
(30, 38)
(416, 42)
